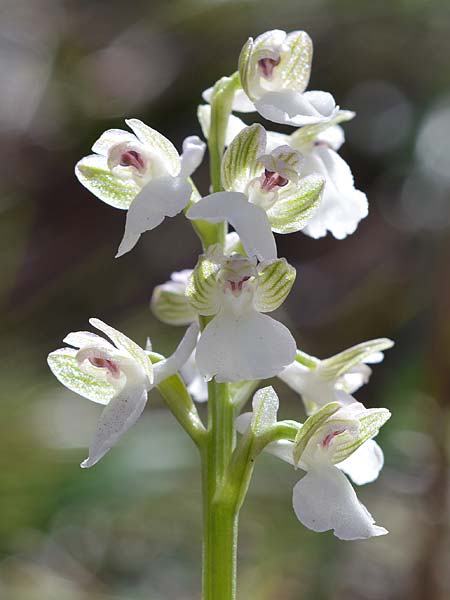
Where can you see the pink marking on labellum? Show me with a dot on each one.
(132, 158)
(273, 180)
(105, 363)
(236, 286)
(325, 443)
(267, 65)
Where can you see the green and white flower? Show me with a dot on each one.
(142, 173)
(240, 342)
(341, 205)
(265, 192)
(117, 374)
(275, 70)
(322, 381)
(329, 442)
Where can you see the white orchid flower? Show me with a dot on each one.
(140, 172)
(325, 445)
(341, 205)
(333, 379)
(240, 342)
(274, 70)
(118, 375)
(264, 192)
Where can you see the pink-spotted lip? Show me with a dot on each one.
(272, 180)
(267, 65)
(326, 442)
(132, 158)
(100, 361)
(237, 286)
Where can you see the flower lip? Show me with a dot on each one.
(272, 180)
(100, 360)
(132, 158)
(128, 154)
(328, 439)
(236, 286)
(267, 65)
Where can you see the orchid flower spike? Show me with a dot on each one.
(118, 375)
(333, 379)
(329, 442)
(274, 70)
(140, 172)
(240, 342)
(265, 192)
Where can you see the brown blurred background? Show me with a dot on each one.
(130, 528)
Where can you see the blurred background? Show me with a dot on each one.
(130, 528)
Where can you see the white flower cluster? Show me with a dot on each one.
(269, 183)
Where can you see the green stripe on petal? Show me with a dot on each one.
(275, 280)
(171, 307)
(156, 143)
(341, 363)
(89, 383)
(240, 161)
(296, 205)
(93, 172)
(265, 410)
(202, 287)
(310, 427)
(295, 66)
(244, 65)
(370, 423)
(308, 133)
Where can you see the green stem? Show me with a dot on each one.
(220, 512)
(220, 515)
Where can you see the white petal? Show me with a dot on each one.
(111, 138)
(160, 198)
(250, 346)
(364, 465)
(324, 499)
(374, 358)
(157, 144)
(334, 137)
(79, 339)
(173, 364)
(196, 385)
(242, 103)
(283, 449)
(243, 422)
(250, 221)
(292, 108)
(118, 416)
(193, 152)
(355, 378)
(342, 206)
